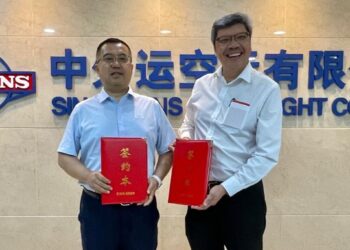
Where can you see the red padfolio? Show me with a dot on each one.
(190, 172)
(124, 163)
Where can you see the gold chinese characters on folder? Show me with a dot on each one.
(124, 163)
(190, 172)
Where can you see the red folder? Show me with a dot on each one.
(190, 172)
(124, 163)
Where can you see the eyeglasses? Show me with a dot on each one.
(239, 38)
(110, 58)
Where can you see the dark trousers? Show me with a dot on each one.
(237, 222)
(117, 227)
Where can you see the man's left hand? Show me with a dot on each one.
(151, 191)
(215, 194)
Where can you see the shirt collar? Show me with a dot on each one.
(245, 75)
(103, 95)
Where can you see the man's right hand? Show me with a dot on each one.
(172, 145)
(73, 166)
(98, 182)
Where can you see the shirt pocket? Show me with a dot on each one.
(236, 115)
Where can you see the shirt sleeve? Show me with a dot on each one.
(268, 142)
(188, 126)
(70, 141)
(166, 135)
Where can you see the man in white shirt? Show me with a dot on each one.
(240, 110)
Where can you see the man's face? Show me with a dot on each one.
(114, 66)
(233, 47)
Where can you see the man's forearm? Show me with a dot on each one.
(164, 164)
(73, 167)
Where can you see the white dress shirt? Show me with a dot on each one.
(243, 118)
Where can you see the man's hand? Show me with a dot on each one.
(215, 194)
(73, 166)
(161, 170)
(98, 182)
(151, 191)
(173, 145)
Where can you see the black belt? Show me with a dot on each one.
(98, 197)
(92, 194)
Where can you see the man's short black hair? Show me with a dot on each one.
(111, 40)
(229, 20)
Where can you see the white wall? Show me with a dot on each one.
(307, 194)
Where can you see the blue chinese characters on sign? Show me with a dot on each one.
(328, 66)
(67, 66)
(252, 59)
(67, 70)
(285, 68)
(155, 70)
(190, 63)
(159, 65)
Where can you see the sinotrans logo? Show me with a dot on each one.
(14, 84)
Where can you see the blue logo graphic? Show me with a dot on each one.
(15, 84)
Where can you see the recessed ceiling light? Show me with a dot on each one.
(279, 32)
(49, 30)
(165, 32)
